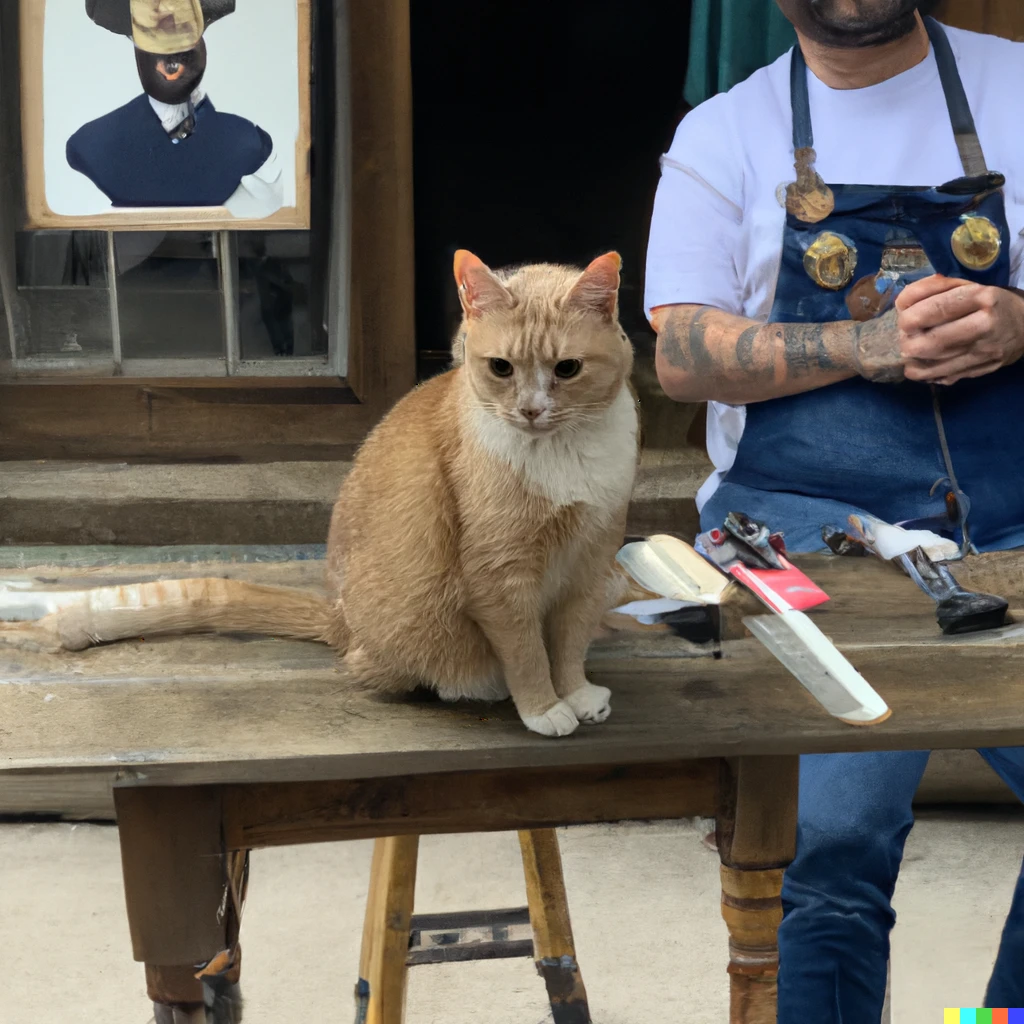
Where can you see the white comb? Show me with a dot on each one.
(819, 666)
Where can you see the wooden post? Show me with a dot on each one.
(380, 993)
(553, 946)
(382, 339)
(756, 836)
(180, 911)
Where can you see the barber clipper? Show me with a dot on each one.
(921, 555)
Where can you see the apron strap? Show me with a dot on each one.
(803, 132)
(960, 117)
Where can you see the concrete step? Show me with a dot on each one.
(260, 503)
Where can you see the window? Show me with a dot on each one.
(227, 345)
(188, 303)
(181, 303)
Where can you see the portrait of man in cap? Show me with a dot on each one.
(170, 146)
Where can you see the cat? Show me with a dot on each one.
(484, 513)
(471, 549)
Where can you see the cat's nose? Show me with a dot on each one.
(531, 412)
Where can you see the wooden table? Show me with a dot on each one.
(219, 744)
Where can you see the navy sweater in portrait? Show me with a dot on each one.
(129, 156)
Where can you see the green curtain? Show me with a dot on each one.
(731, 39)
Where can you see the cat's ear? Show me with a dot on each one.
(597, 290)
(479, 290)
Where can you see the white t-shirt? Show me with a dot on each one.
(716, 231)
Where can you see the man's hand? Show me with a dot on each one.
(951, 329)
(876, 349)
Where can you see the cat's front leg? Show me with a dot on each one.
(511, 622)
(571, 625)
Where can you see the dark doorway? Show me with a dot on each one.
(537, 130)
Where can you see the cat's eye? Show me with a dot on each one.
(567, 368)
(501, 367)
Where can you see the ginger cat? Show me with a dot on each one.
(472, 546)
(484, 513)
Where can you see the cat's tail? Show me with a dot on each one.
(79, 619)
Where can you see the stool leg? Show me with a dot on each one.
(553, 945)
(380, 993)
(369, 927)
(756, 833)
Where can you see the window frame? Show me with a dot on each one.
(252, 410)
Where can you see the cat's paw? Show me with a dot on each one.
(590, 703)
(559, 720)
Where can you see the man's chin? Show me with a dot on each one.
(860, 37)
(852, 25)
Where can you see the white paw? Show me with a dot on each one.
(590, 703)
(556, 721)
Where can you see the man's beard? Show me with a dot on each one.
(875, 22)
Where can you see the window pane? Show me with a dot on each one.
(274, 282)
(62, 286)
(168, 294)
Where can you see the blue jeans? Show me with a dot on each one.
(855, 815)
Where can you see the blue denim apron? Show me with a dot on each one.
(895, 451)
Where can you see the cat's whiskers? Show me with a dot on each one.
(576, 416)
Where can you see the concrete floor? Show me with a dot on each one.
(644, 904)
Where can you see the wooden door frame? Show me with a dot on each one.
(255, 419)
(998, 17)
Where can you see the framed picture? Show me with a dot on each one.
(163, 114)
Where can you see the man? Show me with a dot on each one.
(859, 346)
(170, 146)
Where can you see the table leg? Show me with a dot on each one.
(756, 835)
(183, 892)
(553, 946)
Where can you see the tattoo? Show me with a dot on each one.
(722, 357)
(703, 361)
(795, 348)
(671, 345)
(769, 369)
(745, 348)
(824, 357)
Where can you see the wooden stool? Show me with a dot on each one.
(394, 939)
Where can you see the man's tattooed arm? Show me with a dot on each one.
(705, 354)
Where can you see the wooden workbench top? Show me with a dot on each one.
(225, 709)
